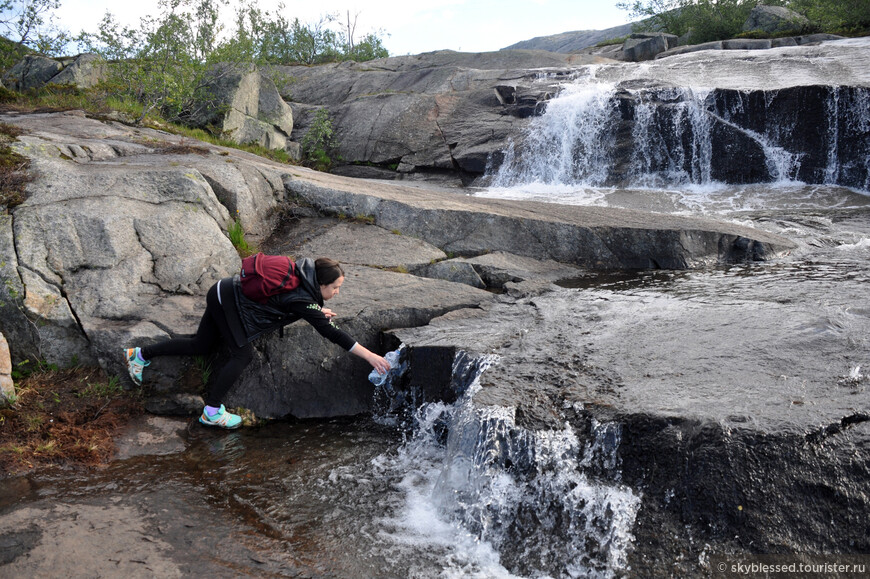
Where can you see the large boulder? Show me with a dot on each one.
(82, 71)
(642, 46)
(34, 70)
(775, 19)
(244, 105)
(115, 249)
(31, 72)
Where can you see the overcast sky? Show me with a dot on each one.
(410, 27)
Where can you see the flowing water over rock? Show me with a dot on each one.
(524, 482)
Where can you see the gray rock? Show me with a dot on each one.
(715, 45)
(813, 39)
(498, 270)
(31, 72)
(176, 404)
(746, 44)
(774, 19)
(780, 42)
(245, 106)
(153, 435)
(590, 237)
(16, 325)
(645, 46)
(116, 242)
(84, 71)
(574, 41)
(436, 111)
(362, 244)
(456, 270)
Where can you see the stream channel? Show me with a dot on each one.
(781, 345)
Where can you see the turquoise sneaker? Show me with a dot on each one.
(135, 364)
(223, 419)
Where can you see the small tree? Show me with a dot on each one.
(841, 16)
(168, 64)
(320, 143)
(30, 26)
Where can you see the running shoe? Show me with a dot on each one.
(135, 364)
(223, 419)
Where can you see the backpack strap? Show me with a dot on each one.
(289, 273)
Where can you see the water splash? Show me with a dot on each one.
(543, 503)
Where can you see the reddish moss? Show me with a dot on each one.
(68, 417)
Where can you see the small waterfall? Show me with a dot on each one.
(847, 113)
(547, 502)
(676, 151)
(575, 140)
(598, 134)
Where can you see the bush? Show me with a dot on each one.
(835, 16)
(319, 144)
(13, 170)
(709, 20)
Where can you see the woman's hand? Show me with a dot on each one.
(379, 363)
(328, 313)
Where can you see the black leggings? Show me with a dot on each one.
(212, 333)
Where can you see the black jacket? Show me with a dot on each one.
(248, 320)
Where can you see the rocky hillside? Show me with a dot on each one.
(573, 41)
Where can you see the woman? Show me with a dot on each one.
(233, 320)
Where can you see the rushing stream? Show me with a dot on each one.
(455, 490)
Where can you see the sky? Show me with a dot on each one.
(408, 26)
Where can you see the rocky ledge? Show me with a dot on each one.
(124, 230)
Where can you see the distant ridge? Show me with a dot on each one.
(577, 40)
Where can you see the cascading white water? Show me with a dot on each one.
(856, 119)
(614, 127)
(655, 161)
(578, 141)
(534, 502)
(574, 139)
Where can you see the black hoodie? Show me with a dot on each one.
(248, 320)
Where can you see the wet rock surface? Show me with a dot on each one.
(740, 424)
(123, 253)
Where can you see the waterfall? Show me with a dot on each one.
(600, 134)
(574, 140)
(847, 112)
(546, 502)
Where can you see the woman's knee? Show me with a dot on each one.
(243, 355)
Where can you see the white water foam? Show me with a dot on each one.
(466, 500)
(578, 147)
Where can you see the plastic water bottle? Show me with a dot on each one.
(381, 379)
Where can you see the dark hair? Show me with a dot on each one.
(327, 270)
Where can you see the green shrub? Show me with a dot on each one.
(709, 20)
(14, 175)
(106, 389)
(319, 144)
(236, 234)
